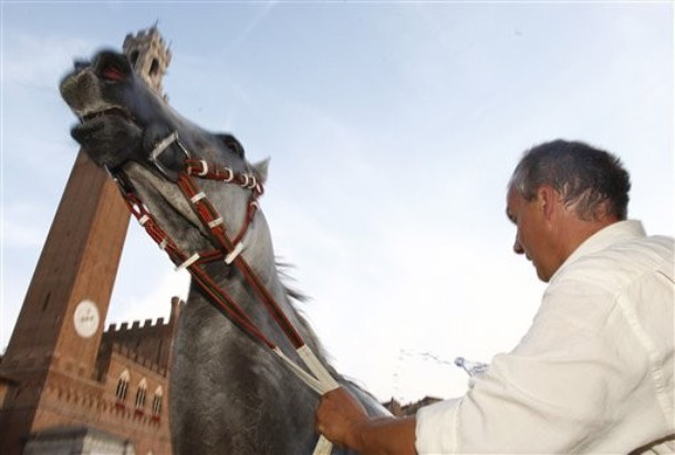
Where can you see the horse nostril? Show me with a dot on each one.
(81, 64)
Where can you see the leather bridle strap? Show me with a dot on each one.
(320, 380)
(208, 214)
(178, 257)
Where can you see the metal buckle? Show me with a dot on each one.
(161, 148)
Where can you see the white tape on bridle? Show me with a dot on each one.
(323, 446)
(305, 377)
(215, 222)
(316, 367)
(321, 381)
(197, 197)
(191, 260)
(229, 259)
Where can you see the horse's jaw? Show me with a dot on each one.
(168, 205)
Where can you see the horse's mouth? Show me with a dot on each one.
(93, 122)
(110, 111)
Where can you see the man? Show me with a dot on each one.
(594, 374)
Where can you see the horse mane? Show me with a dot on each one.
(293, 294)
(295, 299)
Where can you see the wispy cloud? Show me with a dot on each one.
(251, 26)
(154, 301)
(17, 234)
(39, 61)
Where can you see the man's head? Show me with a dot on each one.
(560, 194)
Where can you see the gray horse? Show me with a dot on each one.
(229, 393)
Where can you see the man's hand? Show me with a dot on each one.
(344, 421)
(340, 418)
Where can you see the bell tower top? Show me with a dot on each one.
(149, 56)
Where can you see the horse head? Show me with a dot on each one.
(131, 131)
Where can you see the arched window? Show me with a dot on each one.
(134, 57)
(157, 401)
(140, 393)
(154, 67)
(122, 385)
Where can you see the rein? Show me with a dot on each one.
(229, 251)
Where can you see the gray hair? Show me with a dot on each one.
(591, 180)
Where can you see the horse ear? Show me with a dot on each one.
(261, 168)
(232, 142)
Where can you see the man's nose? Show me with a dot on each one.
(517, 247)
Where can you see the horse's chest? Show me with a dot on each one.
(235, 397)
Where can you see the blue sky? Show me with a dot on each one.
(392, 127)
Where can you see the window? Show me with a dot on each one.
(122, 385)
(140, 394)
(157, 401)
(134, 58)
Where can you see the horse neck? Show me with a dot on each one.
(259, 255)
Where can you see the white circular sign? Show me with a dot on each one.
(86, 318)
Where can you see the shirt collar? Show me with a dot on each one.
(620, 231)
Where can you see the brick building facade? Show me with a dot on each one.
(124, 400)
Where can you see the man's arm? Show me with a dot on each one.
(344, 422)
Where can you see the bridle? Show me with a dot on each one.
(229, 251)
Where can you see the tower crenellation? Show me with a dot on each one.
(149, 56)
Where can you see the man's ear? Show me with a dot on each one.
(548, 201)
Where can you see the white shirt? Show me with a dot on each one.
(594, 374)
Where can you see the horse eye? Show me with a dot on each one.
(112, 74)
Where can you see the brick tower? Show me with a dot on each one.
(57, 337)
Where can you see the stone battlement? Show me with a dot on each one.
(147, 341)
(135, 325)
